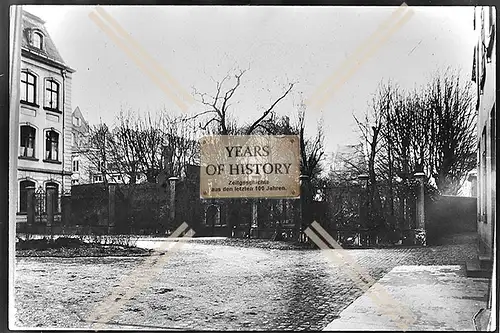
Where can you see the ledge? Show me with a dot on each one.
(52, 161)
(52, 110)
(54, 172)
(29, 104)
(28, 158)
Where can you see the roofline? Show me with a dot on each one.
(39, 57)
(33, 16)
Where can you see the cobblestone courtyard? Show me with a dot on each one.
(207, 285)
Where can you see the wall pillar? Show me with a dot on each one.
(420, 233)
(51, 202)
(363, 199)
(30, 203)
(65, 209)
(254, 227)
(172, 181)
(473, 184)
(305, 216)
(111, 208)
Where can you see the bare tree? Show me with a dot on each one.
(453, 138)
(432, 130)
(311, 149)
(219, 120)
(371, 137)
(181, 147)
(347, 164)
(97, 150)
(125, 147)
(150, 142)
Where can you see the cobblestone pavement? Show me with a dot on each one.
(206, 285)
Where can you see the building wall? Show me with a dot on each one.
(37, 169)
(83, 174)
(485, 80)
(80, 132)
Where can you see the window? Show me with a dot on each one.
(55, 196)
(27, 141)
(28, 87)
(76, 121)
(100, 165)
(52, 95)
(75, 166)
(74, 181)
(37, 40)
(51, 145)
(97, 178)
(23, 195)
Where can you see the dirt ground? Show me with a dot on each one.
(207, 285)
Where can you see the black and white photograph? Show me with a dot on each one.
(252, 167)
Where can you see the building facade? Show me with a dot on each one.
(348, 162)
(484, 75)
(44, 149)
(80, 165)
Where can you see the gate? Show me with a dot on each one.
(351, 216)
(40, 199)
(43, 210)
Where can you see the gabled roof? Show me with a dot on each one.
(32, 23)
(78, 113)
(84, 127)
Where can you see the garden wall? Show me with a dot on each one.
(130, 208)
(450, 215)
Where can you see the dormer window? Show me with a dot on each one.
(37, 40)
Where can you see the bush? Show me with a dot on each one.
(67, 242)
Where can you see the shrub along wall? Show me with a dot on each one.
(89, 205)
(141, 208)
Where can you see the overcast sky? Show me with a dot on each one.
(279, 44)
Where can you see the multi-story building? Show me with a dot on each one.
(484, 75)
(348, 162)
(80, 164)
(45, 122)
(87, 166)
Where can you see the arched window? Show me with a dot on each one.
(37, 40)
(55, 196)
(28, 136)
(51, 95)
(51, 145)
(28, 87)
(23, 195)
